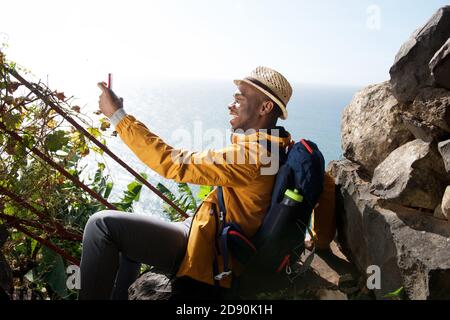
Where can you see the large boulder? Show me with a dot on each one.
(372, 126)
(411, 249)
(444, 150)
(411, 71)
(413, 175)
(440, 66)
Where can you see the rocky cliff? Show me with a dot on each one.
(394, 183)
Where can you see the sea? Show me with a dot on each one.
(193, 115)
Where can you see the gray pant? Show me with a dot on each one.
(116, 243)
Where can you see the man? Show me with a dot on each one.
(114, 244)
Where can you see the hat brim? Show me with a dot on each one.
(271, 96)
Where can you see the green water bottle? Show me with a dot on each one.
(281, 217)
(292, 198)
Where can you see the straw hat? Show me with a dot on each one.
(272, 84)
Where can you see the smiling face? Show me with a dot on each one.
(251, 109)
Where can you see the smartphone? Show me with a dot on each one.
(110, 80)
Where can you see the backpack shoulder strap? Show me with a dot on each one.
(222, 208)
(306, 145)
(223, 235)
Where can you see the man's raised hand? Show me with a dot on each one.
(108, 101)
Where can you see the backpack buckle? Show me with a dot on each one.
(223, 275)
(288, 269)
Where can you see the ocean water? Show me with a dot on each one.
(186, 114)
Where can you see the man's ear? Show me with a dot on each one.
(266, 108)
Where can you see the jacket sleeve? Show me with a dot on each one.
(204, 168)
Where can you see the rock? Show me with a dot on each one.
(445, 206)
(444, 150)
(347, 280)
(438, 213)
(422, 130)
(440, 66)
(151, 286)
(410, 71)
(155, 285)
(370, 107)
(328, 267)
(364, 294)
(411, 249)
(348, 284)
(327, 294)
(432, 107)
(412, 176)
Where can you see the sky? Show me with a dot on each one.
(76, 43)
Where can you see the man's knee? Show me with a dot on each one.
(96, 224)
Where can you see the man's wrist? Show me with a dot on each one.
(117, 116)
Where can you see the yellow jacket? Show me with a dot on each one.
(324, 215)
(247, 193)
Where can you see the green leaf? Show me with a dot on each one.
(144, 175)
(33, 245)
(165, 191)
(395, 294)
(101, 166)
(129, 196)
(94, 131)
(53, 271)
(21, 148)
(99, 180)
(73, 172)
(28, 141)
(98, 150)
(189, 202)
(11, 121)
(134, 190)
(203, 192)
(56, 140)
(108, 190)
(9, 209)
(30, 276)
(186, 201)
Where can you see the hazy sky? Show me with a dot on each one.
(348, 42)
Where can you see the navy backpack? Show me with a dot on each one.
(303, 169)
